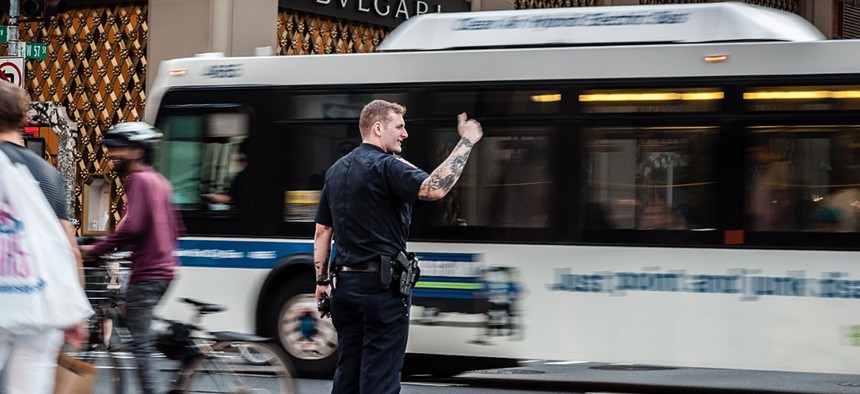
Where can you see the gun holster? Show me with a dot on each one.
(407, 266)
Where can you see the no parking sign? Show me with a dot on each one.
(12, 70)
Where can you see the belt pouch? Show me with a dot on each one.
(385, 268)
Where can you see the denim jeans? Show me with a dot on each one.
(140, 299)
(372, 328)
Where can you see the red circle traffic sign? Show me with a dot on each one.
(18, 78)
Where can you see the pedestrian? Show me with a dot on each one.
(29, 361)
(149, 229)
(366, 207)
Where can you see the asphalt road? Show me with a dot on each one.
(166, 371)
(588, 377)
(311, 386)
(315, 386)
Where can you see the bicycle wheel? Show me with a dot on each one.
(238, 367)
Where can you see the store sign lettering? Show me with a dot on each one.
(379, 12)
(383, 7)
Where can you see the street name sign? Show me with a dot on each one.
(35, 51)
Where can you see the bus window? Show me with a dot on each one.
(486, 103)
(506, 183)
(301, 173)
(650, 178)
(179, 158)
(205, 158)
(650, 100)
(803, 178)
(803, 98)
(335, 106)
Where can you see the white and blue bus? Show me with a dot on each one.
(671, 185)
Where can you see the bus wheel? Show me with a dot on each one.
(310, 342)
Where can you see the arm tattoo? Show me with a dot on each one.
(446, 175)
(321, 260)
(321, 266)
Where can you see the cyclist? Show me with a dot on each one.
(149, 229)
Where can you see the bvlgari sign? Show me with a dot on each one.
(377, 12)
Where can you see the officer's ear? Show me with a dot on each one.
(377, 129)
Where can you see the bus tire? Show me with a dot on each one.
(310, 342)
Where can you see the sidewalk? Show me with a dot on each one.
(629, 378)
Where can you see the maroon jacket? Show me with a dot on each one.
(150, 227)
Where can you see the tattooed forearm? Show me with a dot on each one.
(321, 267)
(322, 249)
(321, 257)
(443, 179)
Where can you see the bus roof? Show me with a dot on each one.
(675, 23)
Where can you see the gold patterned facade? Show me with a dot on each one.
(95, 68)
(301, 33)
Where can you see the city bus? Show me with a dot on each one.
(664, 185)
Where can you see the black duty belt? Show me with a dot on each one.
(367, 266)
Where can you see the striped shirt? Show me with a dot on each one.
(47, 176)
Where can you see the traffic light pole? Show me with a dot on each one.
(12, 39)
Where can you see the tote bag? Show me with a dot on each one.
(39, 286)
(74, 376)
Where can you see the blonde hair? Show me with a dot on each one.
(13, 107)
(377, 111)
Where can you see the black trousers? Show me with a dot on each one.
(372, 328)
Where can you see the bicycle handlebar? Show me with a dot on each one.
(88, 239)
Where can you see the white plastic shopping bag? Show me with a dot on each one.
(39, 286)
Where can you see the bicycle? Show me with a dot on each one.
(101, 348)
(202, 361)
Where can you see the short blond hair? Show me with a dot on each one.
(377, 111)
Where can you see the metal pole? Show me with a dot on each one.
(12, 38)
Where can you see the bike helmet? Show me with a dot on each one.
(132, 135)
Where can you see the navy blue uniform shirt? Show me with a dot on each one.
(367, 199)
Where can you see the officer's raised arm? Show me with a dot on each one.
(444, 177)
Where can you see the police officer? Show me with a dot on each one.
(366, 206)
